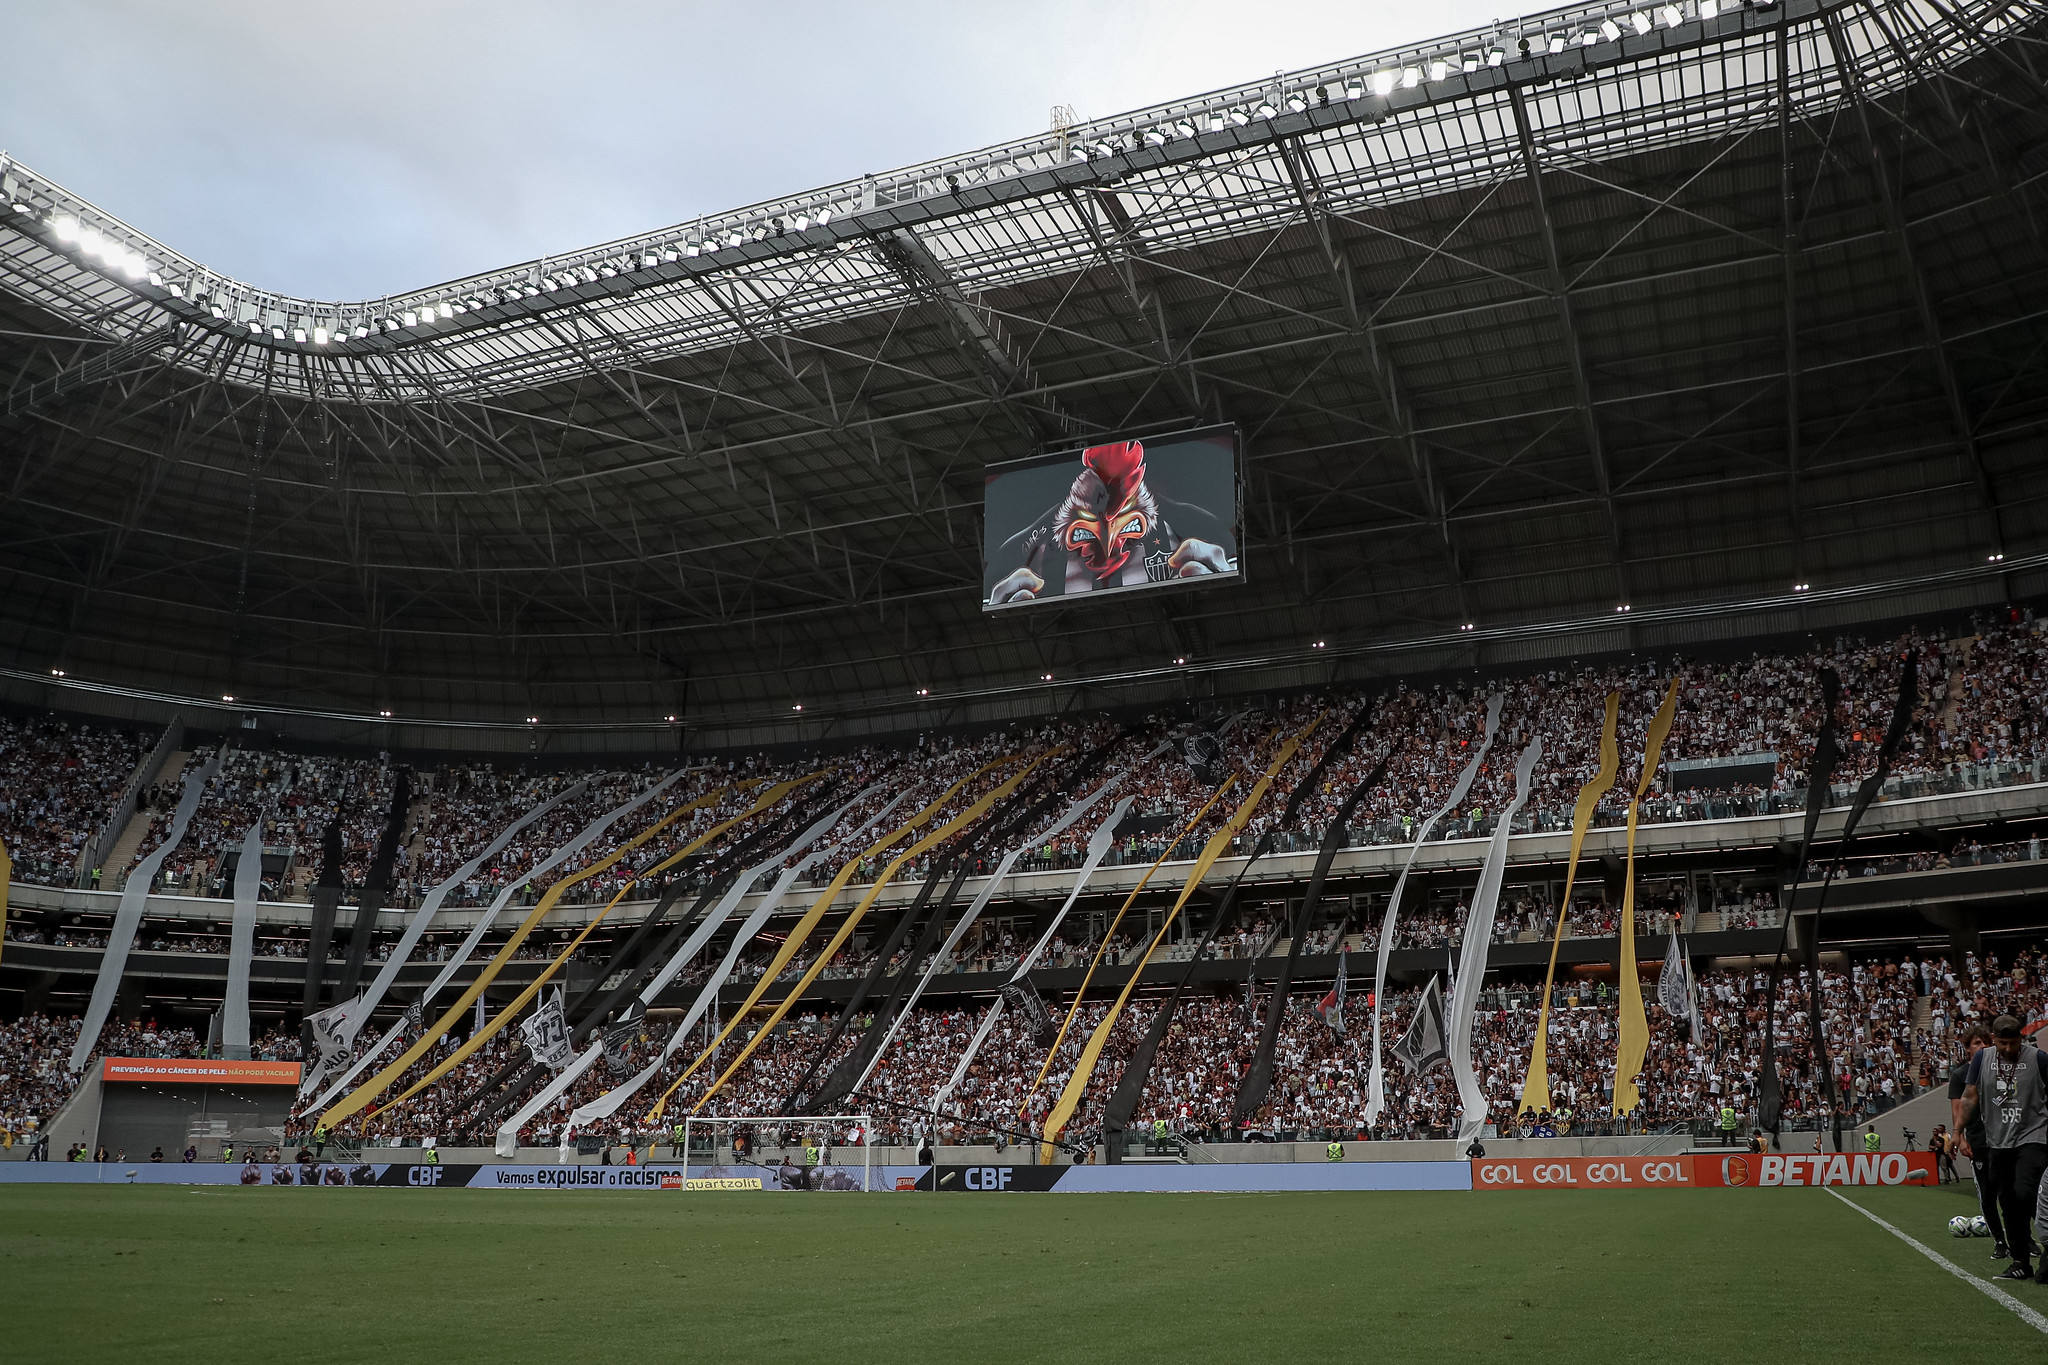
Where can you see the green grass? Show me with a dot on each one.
(226, 1274)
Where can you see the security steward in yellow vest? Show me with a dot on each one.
(1334, 1152)
(1729, 1121)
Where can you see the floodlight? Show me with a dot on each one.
(824, 217)
(65, 226)
(1496, 55)
(90, 241)
(1610, 30)
(1438, 68)
(1469, 62)
(1297, 102)
(1671, 15)
(319, 336)
(1185, 127)
(1354, 88)
(1709, 8)
(361, 331)
(446, 310)
(1642, 21)
(255, 328)
(1265, 109)
(1466, 626)
(1240, 117)
(1383, 82)
(411, 319)
(1411, 76)
(299, 335)
(1622, 608)
(1216, 121)
(1557, 42)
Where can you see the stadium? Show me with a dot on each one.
(1538, 856)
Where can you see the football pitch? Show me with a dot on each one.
(226, 1274)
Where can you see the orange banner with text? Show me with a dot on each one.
(199, 1071)
(1690, 1171)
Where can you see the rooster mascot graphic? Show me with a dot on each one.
(1111, 531)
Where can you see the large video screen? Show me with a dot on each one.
(1120, 517)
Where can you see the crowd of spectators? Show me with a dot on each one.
(59, 785)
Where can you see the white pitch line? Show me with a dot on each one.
(2027, 1315)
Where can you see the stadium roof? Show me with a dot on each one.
(1615, 326)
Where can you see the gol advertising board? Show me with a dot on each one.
(198, 1071)
(1119, 517)
(1743, 1170)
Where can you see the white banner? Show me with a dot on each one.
(234, 1014)
(1475, 949)
(128, 916)
(1376, 1089)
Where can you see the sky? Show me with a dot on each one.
(346, 151)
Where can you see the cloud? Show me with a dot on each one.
(348, 151)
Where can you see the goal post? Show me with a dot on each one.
(799, 1151)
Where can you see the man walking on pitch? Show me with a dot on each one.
(1967, 1138)
(2008, 1085)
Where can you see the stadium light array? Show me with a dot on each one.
(1466, 626)
(1317, 645)
(1801, 587)
(227, 696)
(1995, 559)
(385, 714)
(798, 707)
(1622, 609)
(56, 672)
(924, 691)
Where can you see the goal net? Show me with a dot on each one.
(783, 1151)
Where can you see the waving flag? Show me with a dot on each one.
(1331, 1007)
(1423, 1045)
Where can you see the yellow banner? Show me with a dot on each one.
(1077, 1083)
(359, 1098)
(1633, 1027)
(525, 997)
(809, 922)
(838, 940)
(1536, 1087)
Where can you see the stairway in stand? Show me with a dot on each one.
(114, 875)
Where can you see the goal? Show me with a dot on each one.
(785, 1151)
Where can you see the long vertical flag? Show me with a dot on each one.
(1376, 1087)
(1820, 775)
(365, 1094)
(234, 1013)
(1632, 1041)
(342, 1030)
(1536, 1087)
(1902, 718)
(1476, 948)
(1091, 1052)
(6, 878)
(128, 915)
(811, 919)
(479, 1037)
